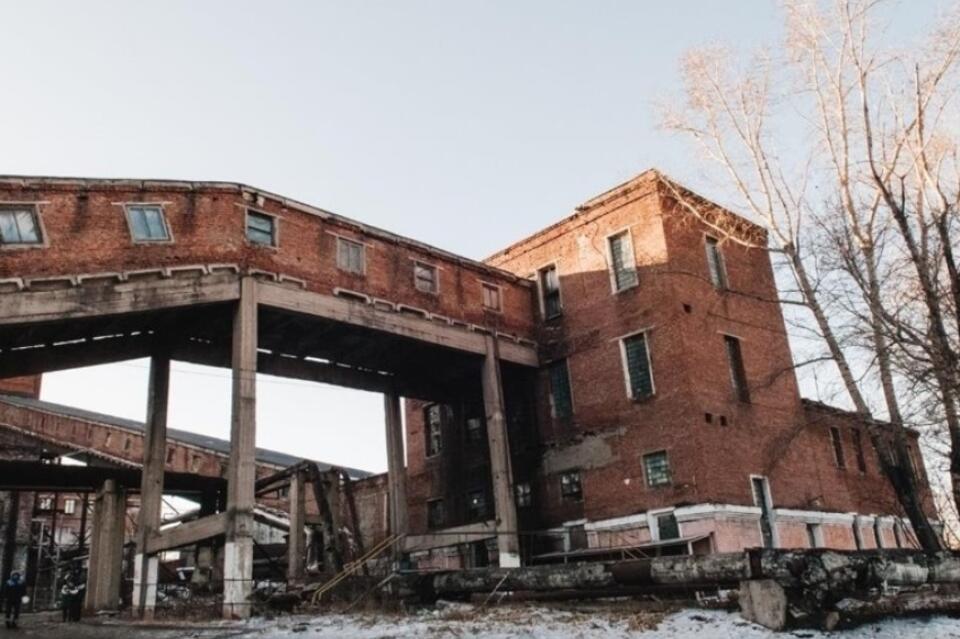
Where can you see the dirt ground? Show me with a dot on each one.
(49, 626)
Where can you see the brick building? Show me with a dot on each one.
(620, 381)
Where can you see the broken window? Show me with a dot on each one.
(69, 506)
(524, 495)
(434, 419)
(858, 450)
(656, 467)
(261, 228)
(426, 278)
(147, 223)
(435, 513)
(46, 503)
(561, 398)
(837, 442)
(667, 526)
(350, 256)
(738, 374)
(477, 505)
(623, 266)
(637, 362)
(718, 274)
(491, 297)
(570, 488)
(19, 225)
(550, 292)
(474, 430)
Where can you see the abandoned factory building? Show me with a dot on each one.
(620, 382)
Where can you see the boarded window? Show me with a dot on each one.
(837, 441)
(524, 495)
(436, 517)
(350, 256)
(656, 467)
(491, 297)
(570, 488)
(667, 526)
(637, 362)
(434, 418)
(550, 292)
(738, 373)
(858, 450)
(426, 278)
(19, 225)
(147, 223)
(477, 505)
(561, 399)
(622, 263)
(718, 273)
(261, 228)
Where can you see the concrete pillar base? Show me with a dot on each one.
(764, 601)
(237, 581)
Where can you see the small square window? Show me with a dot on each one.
(524, 495)
(46, 503)
(491, 297)
(570, 487)
(19, 225)
(656, 467)
(668, 527)
(436, 517)
(350, 256)
(261, 228)
(69, 506)
(147, 223)
(426, 278)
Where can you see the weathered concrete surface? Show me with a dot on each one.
(764, 601)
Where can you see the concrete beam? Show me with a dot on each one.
(241, 481)
(89, 352)
(470, 533)
(187, 533)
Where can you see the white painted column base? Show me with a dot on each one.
(145, 573)
(237, 578)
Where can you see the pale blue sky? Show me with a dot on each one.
(463, 124)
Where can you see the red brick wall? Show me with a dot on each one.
(27, 386)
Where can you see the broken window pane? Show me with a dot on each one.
(638, 366)
(147, 224)
(426, 277)
(433, 418)
(622, 261)
(18, 225)
(570, 488)
(350, 256)
(261, 228)
(550, 292)
(656, 467)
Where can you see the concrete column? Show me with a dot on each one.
(396, 469)
(145, 567)
(238, 549)
(297, 539)
(105, 569)
(508, 541)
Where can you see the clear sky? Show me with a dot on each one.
(463, 124)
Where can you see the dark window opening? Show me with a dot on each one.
(477, 505)
(858, 450)
(561, 398)
(475, 434)
(738, 373)
(550, 292)
(708, 417)
(667, 526)
(638, 366)
(656, 467)
(570, 487)
(524, 495)
(434, 418)
(261, 228)
(623, 264)
(837, 442)
(718, 275)
(436, 516)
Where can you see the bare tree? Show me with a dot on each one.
(845, 151)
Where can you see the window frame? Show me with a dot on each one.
(611, 268)
(346, 241)
(275, 220)
(128, 214)
(565, 362)
(484, 287)
(478, 515)
(541, 290)
(523, 494)
(836, 445)
(724, 279)
(572, 497)
(69, 506)
(653, 523)
(416, 282)
(625, 364)
(428, 435)
(646, 473)
(739, 382)
(34, 209)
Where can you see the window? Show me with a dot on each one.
(656, 467)
(283, 492)
(814, 535)
(570, 488)
(69, 506)
(738, 374)
(474, 430)
(477, 505)
(435, 513)
(46, 503)
(837, 442)
(561, 399)
(858, 450)
(147, 223)
(623, 267)
(171, 451)
(636, 359)
(195, 463)
(426, 278)
(19, 225)
(667, 526)
(524, 495)
(434, 418)
(350, 256)
(127, 443)
(261, 228)
(718, 273)
(491, 297)
(550, 292)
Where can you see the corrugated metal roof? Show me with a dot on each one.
(215, 444)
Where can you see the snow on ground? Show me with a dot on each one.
(542, 623)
